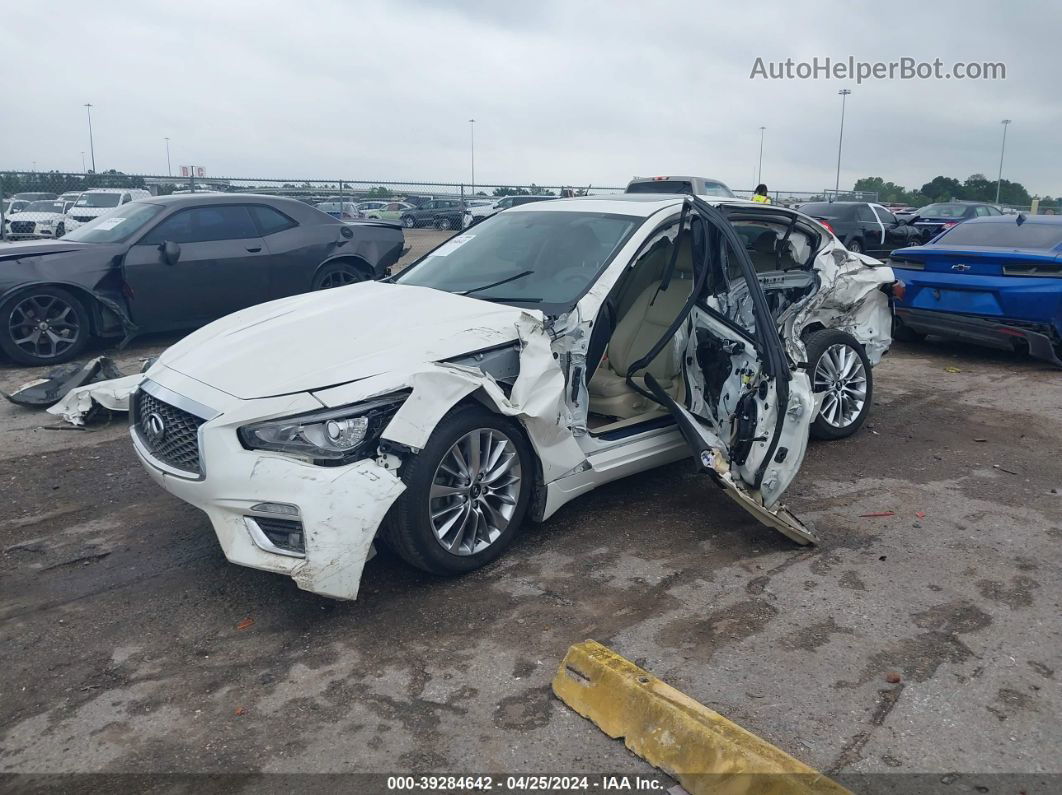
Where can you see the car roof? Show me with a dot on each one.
(637, 204)
(108, 190)
(223, 198)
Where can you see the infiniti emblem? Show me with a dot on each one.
(154, 427)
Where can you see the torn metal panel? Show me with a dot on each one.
(536, 398)
(850, 299)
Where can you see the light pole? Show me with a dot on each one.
(844, 92)
(472, 138)
(83, 169)
(759, 170)
(169, 169)
(92, 147)
(999, 180)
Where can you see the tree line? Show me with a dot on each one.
(976, 187)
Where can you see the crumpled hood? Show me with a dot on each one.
(332, 337)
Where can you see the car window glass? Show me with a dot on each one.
(203, 224)
(540, 257)
(270, 221)
(885, 216)
(1004, 235)
(863, 213)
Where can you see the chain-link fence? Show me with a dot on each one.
(38, 204)
(47, 204)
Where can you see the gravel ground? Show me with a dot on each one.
(122, 649)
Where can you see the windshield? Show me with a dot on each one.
(1004, 235)
(99, 200)
(943, 211)
(45, 207)
(531, 257)
(115, 227)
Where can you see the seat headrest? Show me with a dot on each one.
(764, 242)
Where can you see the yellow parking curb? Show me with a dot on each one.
(703, 750)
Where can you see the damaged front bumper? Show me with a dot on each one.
(274, 512)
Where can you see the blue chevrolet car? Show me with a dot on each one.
(995, 280)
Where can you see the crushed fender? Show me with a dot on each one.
(703, 750)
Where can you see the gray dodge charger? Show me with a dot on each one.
(176, 262)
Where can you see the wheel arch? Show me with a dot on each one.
(480, 399)
(359, 263)
(88, 298)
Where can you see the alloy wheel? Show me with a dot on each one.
(840, 375)
(475, 491)
(338, 279)
(44, 326)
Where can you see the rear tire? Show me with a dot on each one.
(409, 222)
(44, 325)
(855, 246)
(442, 223)
(447, 522)
(338, 274)
(838, 362)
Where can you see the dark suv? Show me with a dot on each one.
(440, 213)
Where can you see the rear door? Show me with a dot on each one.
(223, 266)
(870, 229)
(744, 413)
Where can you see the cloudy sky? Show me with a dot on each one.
(563, 91)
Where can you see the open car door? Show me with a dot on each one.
(744, 413)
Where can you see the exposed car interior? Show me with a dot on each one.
(647, 300)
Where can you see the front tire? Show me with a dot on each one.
(839, 367)
(466, 496)
(44, 325)
(60, 230)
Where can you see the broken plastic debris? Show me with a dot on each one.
(952, 370)
(240, 711)
(878, 513)
(920, 514)
(60, 380)
(245, 624)
(1004, 469)
(892, 678)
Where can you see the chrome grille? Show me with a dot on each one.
(22, 227)
(170, 434)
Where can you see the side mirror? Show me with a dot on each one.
(171, 252)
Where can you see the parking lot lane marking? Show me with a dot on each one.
(699, 747)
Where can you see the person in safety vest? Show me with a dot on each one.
(760, 196)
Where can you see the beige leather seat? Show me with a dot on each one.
(636, 332)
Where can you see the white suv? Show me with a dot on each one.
(94, 203)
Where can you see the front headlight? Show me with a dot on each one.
(328, 437)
